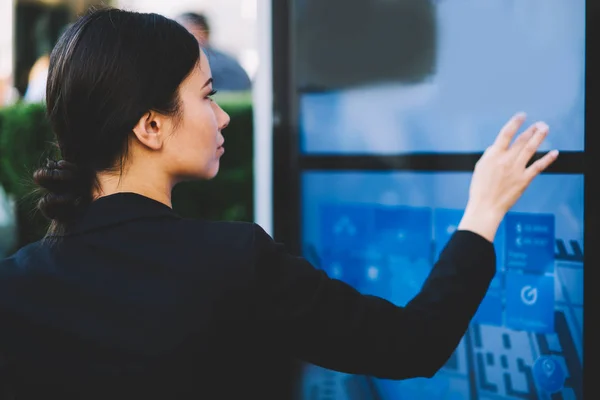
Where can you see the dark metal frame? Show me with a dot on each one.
(591, 192)
(289, 163)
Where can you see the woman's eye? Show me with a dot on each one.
(211, 94)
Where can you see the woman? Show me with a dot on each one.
(125, 299)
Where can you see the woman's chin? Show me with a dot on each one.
(201, 175)
(213, 171)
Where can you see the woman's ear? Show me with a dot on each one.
(150, 130)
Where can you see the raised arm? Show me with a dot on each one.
(326, 322)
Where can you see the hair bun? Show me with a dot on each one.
(56, 176)
(63, 187)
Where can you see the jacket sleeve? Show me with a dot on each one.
(328, 323)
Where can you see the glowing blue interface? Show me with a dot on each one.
(381, 232)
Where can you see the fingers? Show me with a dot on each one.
(540, 165)
(532, 145)
(508, 131)
(524, 137)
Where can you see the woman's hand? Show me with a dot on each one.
(501, 176)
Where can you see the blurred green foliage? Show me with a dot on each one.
(26, 140)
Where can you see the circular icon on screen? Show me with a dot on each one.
(344, 227)
(372, 273)
(529, 295)
(549, 374)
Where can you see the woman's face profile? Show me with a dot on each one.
(194, 147)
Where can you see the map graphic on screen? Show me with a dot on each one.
(381, 232)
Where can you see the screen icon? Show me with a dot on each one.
(345, 226)
(404, 231)
(529, 242)
(529, 302)
(529, 295)
(549, 374)
(345, 267)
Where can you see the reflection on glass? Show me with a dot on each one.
(489, 60)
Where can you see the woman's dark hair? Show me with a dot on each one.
(107, 70)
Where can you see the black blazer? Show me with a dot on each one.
(136, 302)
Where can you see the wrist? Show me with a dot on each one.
(481, 220)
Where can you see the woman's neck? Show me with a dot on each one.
(153, 187)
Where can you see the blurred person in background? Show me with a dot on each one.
(36, 84)
(38, 75)
(227, 72)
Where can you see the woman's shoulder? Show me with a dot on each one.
(219, 228)
(236, 236)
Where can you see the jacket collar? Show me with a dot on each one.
(118, 208)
